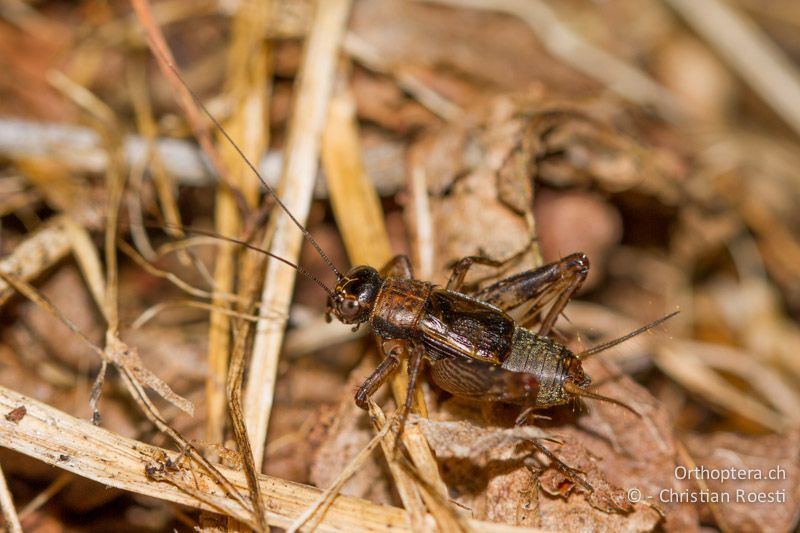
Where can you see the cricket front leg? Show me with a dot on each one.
(393, 349)
(555, 282)
(414, 367)
(391, 360)
(398, 266)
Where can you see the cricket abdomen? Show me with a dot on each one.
(532, 374)
(482, 381)
(543, 358)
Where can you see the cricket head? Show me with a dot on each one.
(352, 300)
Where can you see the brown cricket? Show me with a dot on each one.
(474, 348)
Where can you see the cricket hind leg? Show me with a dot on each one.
(555, 282)
(573, 474)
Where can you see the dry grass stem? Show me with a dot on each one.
(137, 80)
(367, 55)
(349, 185)
(403, 481)
(151, 312)
(58, 439)
(78, 446)
(166, 62)
(131, 252)
(423, 238)
(135, 377)
(43, 497)
(298, 177)
(85, 253)
(317, 334)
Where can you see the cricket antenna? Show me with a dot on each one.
(610, 344)
(301, 270)
(271, 191)
(575, 390)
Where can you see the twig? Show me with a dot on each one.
(299, 172)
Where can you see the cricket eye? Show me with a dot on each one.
(350, 308)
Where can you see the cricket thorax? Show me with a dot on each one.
(399, 307)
